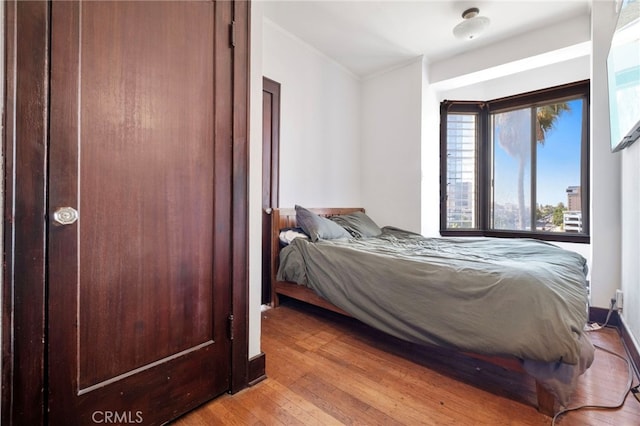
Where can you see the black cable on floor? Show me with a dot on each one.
(602, 407)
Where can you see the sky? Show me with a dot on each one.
(558, 162)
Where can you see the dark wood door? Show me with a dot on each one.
(270, 165)
(139, 286)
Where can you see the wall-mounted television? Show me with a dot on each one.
(623, 69)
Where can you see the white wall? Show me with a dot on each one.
(605, 166)
(550, 75)
(631, 239)
(430, 144)
(629, 183)
(391, 135)
(320, 123)
(255, 180)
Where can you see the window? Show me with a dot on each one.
(517, 166)
(461, 171)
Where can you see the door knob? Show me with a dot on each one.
(65, 215)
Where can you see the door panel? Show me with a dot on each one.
(267, 101)
(139, 286)
(270, 173)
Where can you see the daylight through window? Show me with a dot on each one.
(461, 171)
(517, 166)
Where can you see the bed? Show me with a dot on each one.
(521, 304)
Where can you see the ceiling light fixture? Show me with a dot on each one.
(472, 26)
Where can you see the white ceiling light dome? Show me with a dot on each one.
(472, 26)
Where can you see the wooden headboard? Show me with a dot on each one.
(286, 218)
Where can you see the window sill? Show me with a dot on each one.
(545, 236)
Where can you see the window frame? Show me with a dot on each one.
(484, 153)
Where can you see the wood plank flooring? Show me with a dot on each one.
(327, 369)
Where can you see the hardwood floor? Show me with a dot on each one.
(327, 369)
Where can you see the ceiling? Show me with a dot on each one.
(367, 37)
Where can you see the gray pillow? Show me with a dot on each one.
(358, 224)
(317, 227)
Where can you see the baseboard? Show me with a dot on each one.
(630, 345)
(257, 369)
(599, 315)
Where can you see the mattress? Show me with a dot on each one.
(505, 297)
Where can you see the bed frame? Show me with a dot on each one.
(286, 218)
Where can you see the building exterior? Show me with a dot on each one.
(574, 199)
(572, 217)
(460, 205)
(572, 221)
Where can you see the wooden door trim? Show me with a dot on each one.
(25, 142)
(25, 156)
(273, 87)
(270, 173)
(240, 197)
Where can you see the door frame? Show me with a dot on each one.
(25, 152)
(270, 172)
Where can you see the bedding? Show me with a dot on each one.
(358, 224)
(317, 227)
(289, 234)
(504, 297)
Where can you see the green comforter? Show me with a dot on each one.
(512, 297)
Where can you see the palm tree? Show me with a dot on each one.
(514, 129)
